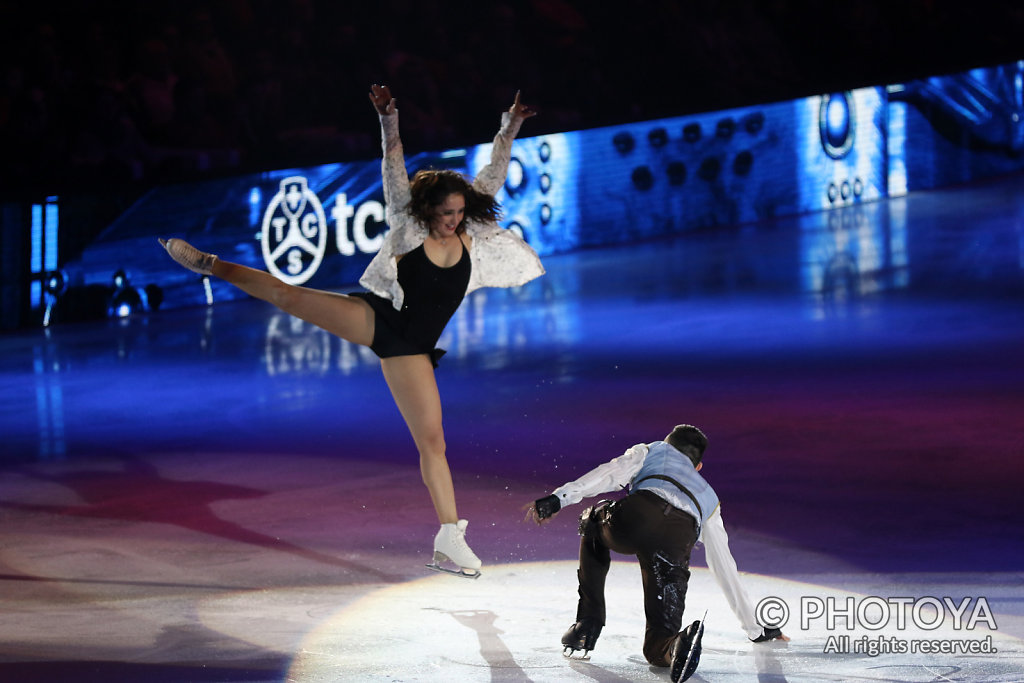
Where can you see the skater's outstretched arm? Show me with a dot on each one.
(492, 176)
(404, 233)
(393, 172)
(610, 476)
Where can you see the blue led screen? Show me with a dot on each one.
(960, 127)
(321, 225)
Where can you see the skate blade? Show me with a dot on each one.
(462, 573)
(570, 653)
(693, 656)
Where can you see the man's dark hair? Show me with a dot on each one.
(689, 440)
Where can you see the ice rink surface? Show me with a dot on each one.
(226, 494)
(505, 627)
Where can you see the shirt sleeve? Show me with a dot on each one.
(611, 476)
(492, 176)
(394, 176)
(723, 568)
(404, 233)
(501, 258)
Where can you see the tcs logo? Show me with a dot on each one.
(294, 230)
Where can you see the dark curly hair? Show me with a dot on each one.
(429, 188)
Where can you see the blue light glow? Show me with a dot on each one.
(897, 149)
(36, 258)
(51, 231)
(514, 178)
(255, 204)
(838, 116)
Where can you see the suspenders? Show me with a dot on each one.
(678, 486)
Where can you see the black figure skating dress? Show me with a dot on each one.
(432, 295)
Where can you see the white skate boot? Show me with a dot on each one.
(450, 545)
(190, 257)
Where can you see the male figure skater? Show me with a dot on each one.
(669, 508)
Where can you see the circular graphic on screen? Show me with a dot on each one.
(837, 124)
(294, 235)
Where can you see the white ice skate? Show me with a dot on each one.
(450, 546)
(190, 257)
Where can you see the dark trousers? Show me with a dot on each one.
(661, 536)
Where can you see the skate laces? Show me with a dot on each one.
(458, 538)
(451, 542)
(455, 536)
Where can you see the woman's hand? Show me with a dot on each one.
(521, 111)
(384, 103)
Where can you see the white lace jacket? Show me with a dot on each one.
(499, 257)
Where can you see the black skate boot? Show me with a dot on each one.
(581, 636)
(686, 652)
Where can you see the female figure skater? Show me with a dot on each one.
(443, 243)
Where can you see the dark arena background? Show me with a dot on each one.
(799, 226)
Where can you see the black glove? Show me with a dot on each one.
(547, 506)
(767, 634)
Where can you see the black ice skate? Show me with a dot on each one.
(686, 652)
(581, 636)
(450, 546)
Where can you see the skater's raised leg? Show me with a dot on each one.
(347, 317)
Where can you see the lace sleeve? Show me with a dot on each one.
(491, 177)
(404, 233)
(393, 173)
